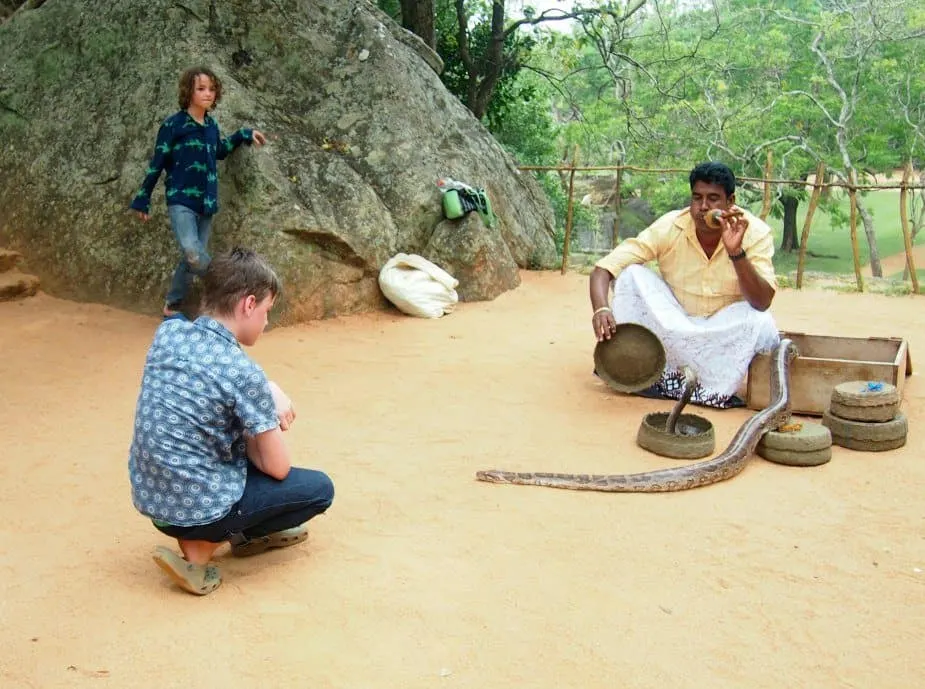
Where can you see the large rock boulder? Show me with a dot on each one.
(475, 255)
(360, 129)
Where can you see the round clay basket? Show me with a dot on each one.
(631, 360)
(694, 437)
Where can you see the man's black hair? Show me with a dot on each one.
(714, 173)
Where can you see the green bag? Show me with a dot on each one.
(458, 202)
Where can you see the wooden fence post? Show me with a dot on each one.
(568, 215)
(807, 223)
(617, 204)
(853, 198)
(766, 203)
(904, 220)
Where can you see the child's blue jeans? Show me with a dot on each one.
(266, 507)
(192, 231)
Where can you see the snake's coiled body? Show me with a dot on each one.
(724, 466)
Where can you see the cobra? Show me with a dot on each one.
(720, 468)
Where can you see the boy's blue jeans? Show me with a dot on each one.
(192, 231)
(266, 507)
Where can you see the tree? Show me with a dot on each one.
(485, 44)
(9, 7)
(418, 17)
(850, 38)
(810, 80)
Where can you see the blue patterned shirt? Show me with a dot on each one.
(188, 151)
(199, 393)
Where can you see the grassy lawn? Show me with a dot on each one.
(836, 242)
(919, 272)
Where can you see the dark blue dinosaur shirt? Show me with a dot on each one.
(188, 151)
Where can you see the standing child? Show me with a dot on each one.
(208, 462)
(188, 145)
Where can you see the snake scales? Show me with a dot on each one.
(724, 466)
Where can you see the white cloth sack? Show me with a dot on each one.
(418, 287)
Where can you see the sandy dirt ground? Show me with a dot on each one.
(420, 576)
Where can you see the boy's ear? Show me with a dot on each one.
(247, 304)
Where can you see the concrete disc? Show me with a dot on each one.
(805, 438)
(694, 436)
(862, 393)
(809, 458)
(868, 445)
(867, 431)
(880, 413)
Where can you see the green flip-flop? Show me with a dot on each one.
(199, 580)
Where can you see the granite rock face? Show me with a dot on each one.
(475, 255)
(359, 125)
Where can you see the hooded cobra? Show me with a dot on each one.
(724, 466)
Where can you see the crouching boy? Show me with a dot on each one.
(208, 462)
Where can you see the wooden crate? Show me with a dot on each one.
(826, 361)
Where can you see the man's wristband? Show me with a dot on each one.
(737, 257)
(600, 310)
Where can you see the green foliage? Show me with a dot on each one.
(517, 49)
(523, 123)
(558, 199)
(684, 82)
(664, 192)
(391, 8)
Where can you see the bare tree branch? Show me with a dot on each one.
(815, 101)
(556, 14)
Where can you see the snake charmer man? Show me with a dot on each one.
(710, 306)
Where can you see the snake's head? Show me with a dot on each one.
(492, 476)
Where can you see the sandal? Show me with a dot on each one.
(196, 579)
(280, 539)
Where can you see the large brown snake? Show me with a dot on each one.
(724, 466)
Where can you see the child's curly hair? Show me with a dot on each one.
(188, 82)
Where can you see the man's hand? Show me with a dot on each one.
(601, 316)
(144, 217)
(604, 325)
(734, 225)
(284, 407)
(258, 138)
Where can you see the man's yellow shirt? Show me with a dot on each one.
(702, 284)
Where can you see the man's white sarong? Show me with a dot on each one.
(718, 348)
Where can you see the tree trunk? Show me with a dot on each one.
(418, 17)
(7, 7)
(617, 206)
(10, 7)
(491, 64)
(789, 239)
(916, 216)
(563, 174)
(876, 269)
